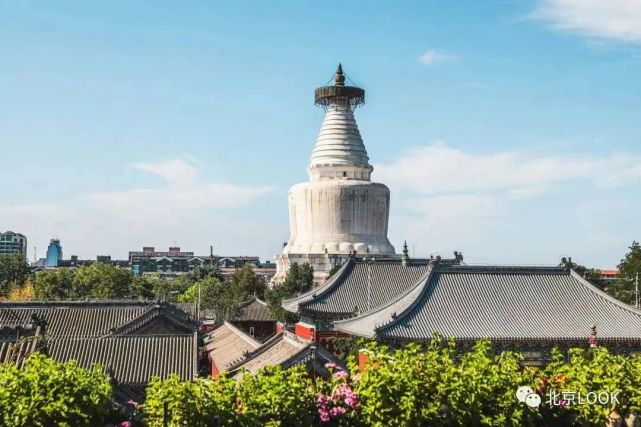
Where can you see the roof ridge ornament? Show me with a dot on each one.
(405, 257)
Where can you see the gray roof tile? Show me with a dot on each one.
(132, 359)
(254, 310)
(287, 350)
(359, 286)
(227, 345)
(468, 302)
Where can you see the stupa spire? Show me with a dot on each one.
(339, 152)
(339, 78)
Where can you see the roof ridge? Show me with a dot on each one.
(327, 286)
(411, 306)
(152, 312)
(604, 295)
(117, 337)
(467, 268)
(421, 281)
(240, 333)
(235, 365)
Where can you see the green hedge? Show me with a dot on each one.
(48, 393)
(413, 386)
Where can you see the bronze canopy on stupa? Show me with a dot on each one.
(339, 94)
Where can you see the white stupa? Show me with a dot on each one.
(339, 212)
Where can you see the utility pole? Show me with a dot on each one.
(636, 291)
(198, 306)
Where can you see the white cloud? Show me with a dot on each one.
(446, 198)
(439, 169)
(174, 171)
(431, 57)
(613, 19)
(185, 207)
(184, 194)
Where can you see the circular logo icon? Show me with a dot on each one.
(533, 400)
(522, 392)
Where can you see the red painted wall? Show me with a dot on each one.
(304, 331)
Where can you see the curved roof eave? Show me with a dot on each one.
(366, 324)
(291, 305)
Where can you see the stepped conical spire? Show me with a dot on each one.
(339, 150)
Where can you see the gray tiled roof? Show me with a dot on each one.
(88, 318)
(469, 302)
(133, 359)
(227, 345)
(175, 321)
(254, 310)
(17, 343)
(364, 324)
(287, 350)
(359, 285)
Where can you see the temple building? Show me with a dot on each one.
(516, 307)
(132, 340)
(340, 211)
(232, 351)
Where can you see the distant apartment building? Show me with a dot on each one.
(54, 253)
(75, 262)
(174, 262)
(11, 243)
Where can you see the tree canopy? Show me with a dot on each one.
(14, 271)
(299, 279)
(624, 287)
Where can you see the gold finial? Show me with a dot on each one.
(339, 79)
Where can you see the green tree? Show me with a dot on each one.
(629, 267)
(334, 270)
(248, 283)
(216, 295)
(100, 280)
(53, 284)
(14, 271)
(143, 286)
(204, 271)
(299, 279)
(48, 393)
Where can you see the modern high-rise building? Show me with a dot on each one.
(54, 253)
(11, 243)
(340, 212)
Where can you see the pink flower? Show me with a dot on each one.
(340, 374)
(337, 411)
(330, 365)
(324, 415)
(356, 377)
(125, 424)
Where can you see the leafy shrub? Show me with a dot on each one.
(48, 393)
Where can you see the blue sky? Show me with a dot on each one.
(508, 130)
